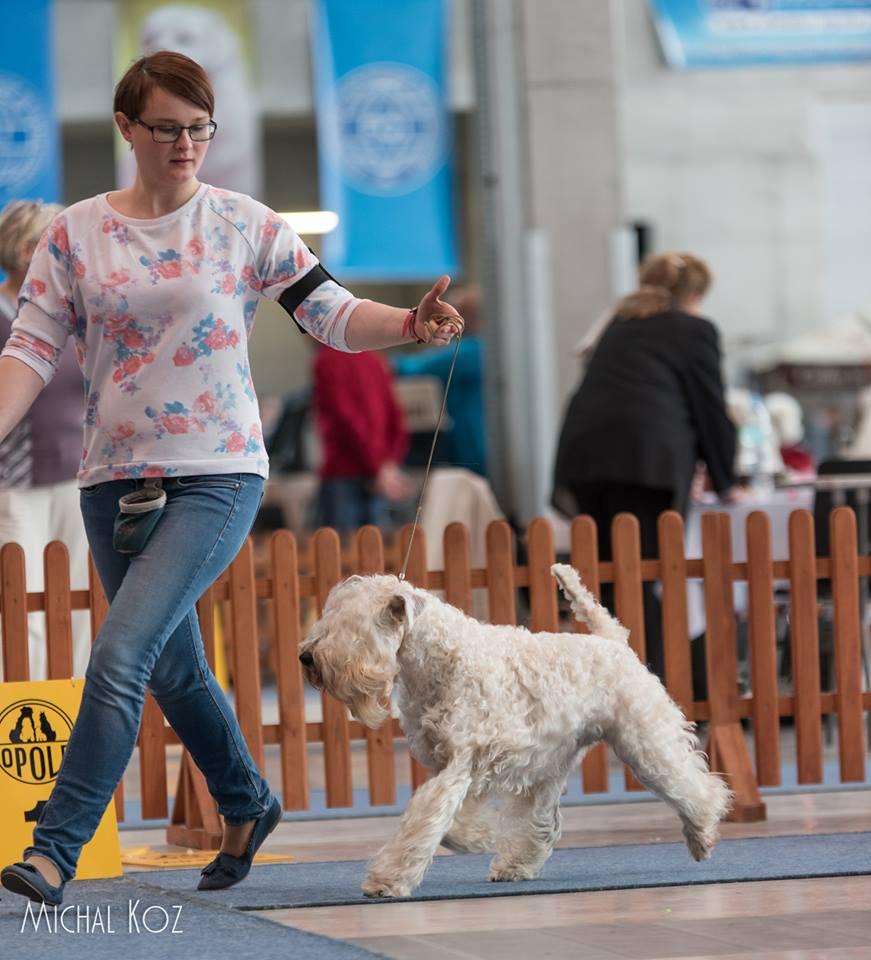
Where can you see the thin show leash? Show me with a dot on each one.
(431, 452)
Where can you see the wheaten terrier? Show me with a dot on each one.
(500, 716)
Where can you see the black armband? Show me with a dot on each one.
(294, 295)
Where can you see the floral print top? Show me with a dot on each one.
(160, 311)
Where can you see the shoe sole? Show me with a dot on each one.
(16, 884)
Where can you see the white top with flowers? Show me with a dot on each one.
(161, 311)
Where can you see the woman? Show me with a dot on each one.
(650, 406)
(158, 284)
(39, 459)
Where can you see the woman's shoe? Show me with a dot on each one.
(26, 880)
(225, 869)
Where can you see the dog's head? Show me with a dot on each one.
(351, 651)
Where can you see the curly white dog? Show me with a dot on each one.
(500, 716)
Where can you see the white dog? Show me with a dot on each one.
(500, 716)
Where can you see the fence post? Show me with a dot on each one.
(417, 575)
(805, 647)
(380, 759)
(677, 654)
(585, 559)
(763, 649)
(292, 733)
(58, 611)
(727, 748)
(848, 644)
(13, 589)
(501, 588)
(336, 729)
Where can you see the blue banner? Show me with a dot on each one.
(384, 139)
(29, 142)
(727, 33)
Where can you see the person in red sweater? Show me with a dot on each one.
(363, 440)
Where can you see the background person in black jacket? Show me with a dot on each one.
(650, 407)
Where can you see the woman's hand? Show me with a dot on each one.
(435, 320)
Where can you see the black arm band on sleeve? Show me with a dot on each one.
(293, 296)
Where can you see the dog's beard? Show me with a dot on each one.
(371, 711)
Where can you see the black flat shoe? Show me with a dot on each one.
(26, 880)
(225, 869)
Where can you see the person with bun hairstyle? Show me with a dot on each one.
(650, 407)
(158, 285)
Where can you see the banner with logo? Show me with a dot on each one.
(217, 34)
(384, 138)
(35, 723)
(29, 140)
(728, 33)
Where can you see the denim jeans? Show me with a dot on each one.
(151, 638)
(347, 503)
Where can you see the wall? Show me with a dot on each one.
(727, 163)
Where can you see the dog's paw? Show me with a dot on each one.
(374, 886)
(508, 873)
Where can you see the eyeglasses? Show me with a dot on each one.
(170, 132)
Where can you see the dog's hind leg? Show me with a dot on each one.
(651, 736)
(532, 825)
(400, 864)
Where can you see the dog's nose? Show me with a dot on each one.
(306, 659)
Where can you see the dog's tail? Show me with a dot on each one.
(585, 606)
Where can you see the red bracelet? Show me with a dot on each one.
(408, 331)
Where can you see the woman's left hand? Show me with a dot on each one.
(436, 321)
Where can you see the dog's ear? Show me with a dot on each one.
(396, 610)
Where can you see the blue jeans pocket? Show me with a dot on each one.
(138, 515)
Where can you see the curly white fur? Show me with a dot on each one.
(500, 716)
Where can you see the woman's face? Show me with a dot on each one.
(165, 164)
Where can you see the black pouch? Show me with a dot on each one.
(138, 513)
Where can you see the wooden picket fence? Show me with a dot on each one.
(289, 591)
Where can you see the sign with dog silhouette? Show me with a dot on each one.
(36, 720)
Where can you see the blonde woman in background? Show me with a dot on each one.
(39, 497)
(651, 405)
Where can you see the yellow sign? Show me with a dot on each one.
(35, 724)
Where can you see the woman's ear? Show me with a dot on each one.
(124, 126)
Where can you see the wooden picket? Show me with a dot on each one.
(288, 589)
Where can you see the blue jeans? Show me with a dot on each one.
(151, 638)
(347, 503)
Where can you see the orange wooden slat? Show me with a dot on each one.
(763, 649)
(805, 647)
(289, 677)
(544, 612)
(58, 611)
(721, 647)
(501, 590)
(458, 583)
(675, 620)
(380, 759)
(13, 589)
(246, 653)
(337, 742)
(417, 575)
(848, 644)
(152, 761)
(629, 600)
(585, 559)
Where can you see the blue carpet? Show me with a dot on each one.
(274, 886)
(203, 929)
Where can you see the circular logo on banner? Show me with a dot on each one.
(24, 132)
(391, 128)
(33, 737)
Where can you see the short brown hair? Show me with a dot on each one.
(173, 72)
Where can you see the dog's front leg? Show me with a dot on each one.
(400, 864)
